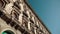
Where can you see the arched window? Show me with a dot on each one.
(7, 32)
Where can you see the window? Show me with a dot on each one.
(32, 18)
(25, 18)
(41, 27)
(25, 7)
(32, 28)
(25, 23)
(17, 4)
(31, 21)
(15, 15)
(30, 15)
(36, 21)
(7, 32)
(16, 26)
(24, 13)
(40, 32)
(12, 24)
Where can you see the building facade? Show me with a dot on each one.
(17, 17)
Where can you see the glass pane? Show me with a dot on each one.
(7, 32)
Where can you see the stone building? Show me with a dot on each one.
(17, 17)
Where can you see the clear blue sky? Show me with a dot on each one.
(49, 12)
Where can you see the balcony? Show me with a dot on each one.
(13, 23)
